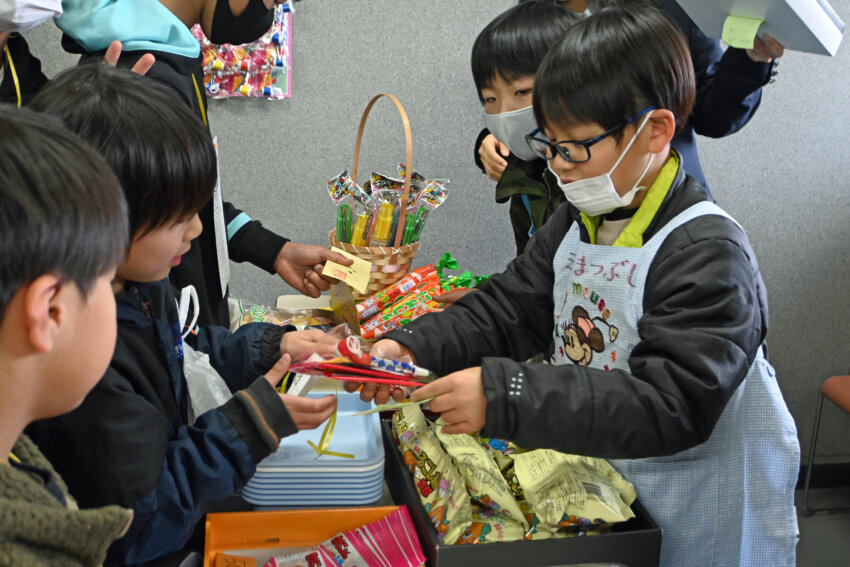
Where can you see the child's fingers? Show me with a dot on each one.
(309, 413)
(144, 64)
(276, 372)
(433, 390)
(462, 427)
(113, 52)
(503, 149)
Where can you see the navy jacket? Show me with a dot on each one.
(130, 444)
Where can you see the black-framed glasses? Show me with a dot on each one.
(574, 151)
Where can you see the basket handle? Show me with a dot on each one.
(408, 158)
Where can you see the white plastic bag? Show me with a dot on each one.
(207, 389)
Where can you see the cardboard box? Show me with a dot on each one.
(261, 535)
(636, 543)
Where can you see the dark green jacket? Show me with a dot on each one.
(525, 178)
(37, 529)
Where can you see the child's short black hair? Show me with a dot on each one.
(162, 154)
(61, 207)
(612, 65)
(515, 42)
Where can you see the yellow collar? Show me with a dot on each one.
(632, 235)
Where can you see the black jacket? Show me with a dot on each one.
(130, 444)
(705, 317)
(248, 240)
(27, 69)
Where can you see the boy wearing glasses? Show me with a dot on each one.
(654, 300)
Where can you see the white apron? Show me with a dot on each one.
(728, 501)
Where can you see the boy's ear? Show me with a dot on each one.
(44, 311)
(662, 128)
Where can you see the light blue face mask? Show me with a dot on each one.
(510, 128)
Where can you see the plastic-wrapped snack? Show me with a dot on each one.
(373, 305)
(441, 487)
(310, 558)
(484, 480)
(572, 493)
(426, 292)
(379, 328)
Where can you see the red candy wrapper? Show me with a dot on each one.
(389, 542)
(373, 305)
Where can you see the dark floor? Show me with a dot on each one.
(824, 538)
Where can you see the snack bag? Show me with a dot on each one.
(500, 450)
(484, 480)
(571, 492)
(442, 489)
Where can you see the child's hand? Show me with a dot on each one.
(493, 155)
(301, 344)
(300, 265)
(766, 50)
(459, 397)
(451, 296)
(113, 52)
(385, 348)
(307, 413)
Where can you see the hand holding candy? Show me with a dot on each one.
(460, 398)
(307, 413)
(300, 265)
(381, 392)
(301, 344)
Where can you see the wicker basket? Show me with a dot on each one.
(389, 263)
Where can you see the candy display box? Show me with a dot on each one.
(636, 543)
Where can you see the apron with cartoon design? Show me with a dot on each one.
(726, 502)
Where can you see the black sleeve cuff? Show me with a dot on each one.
(484, 133)
(270, 346)
(750, 74)
(259, 417)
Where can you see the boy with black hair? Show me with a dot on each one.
(63, 230)
(505, 57)
(162, 28)
(658, 314)
(728, 82)
(130, 442)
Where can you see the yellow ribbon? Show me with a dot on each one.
(14, 458)
(283, 384)
(200, 101)
(14, 74)
(325, 440)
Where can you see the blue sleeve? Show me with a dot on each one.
(204, 463)
(239, 357)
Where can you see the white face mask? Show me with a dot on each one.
(18, 15)
(597, 195)
(510, 128)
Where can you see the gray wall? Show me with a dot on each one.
(783, 177)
